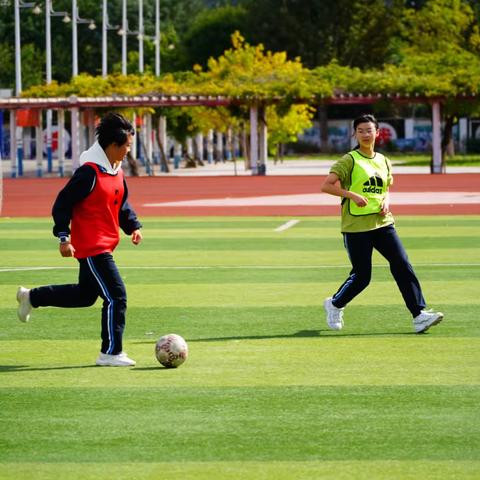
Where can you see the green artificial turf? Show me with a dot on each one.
(268, 392)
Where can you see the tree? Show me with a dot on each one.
(353, 32)
(284, 127)
(210, 32)
(252, 72)
(440, 26)
(32, 75)
(8, 57)
(32, 41)
(262, 78)
(442, 46)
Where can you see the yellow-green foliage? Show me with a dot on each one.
(284, 128)
(248, 71)
(217, 118)
(85, 85)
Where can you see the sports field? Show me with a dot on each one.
(267, 392)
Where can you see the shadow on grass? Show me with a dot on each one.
(27, 368)
(160, 368)
(300, 334)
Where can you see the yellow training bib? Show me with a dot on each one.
(369, 179)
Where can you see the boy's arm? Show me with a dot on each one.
(77, 188)
(128, 220)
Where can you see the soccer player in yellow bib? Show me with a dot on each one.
(361, 178)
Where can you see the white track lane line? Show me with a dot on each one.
(322, 199)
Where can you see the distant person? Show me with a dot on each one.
(362, 178)
(92, 207)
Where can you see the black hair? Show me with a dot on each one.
(366, 118)
(113, 128)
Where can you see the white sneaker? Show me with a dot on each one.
(334, 314)
(426, 319)
(119, 360)
(24, 305)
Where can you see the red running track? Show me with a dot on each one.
(31, 197)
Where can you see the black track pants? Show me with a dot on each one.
(98, 277)
(386, 241)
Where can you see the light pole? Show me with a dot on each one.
(18, 59)
(140, 36)
(123, 32)
(105, 27)
(157, 38)
(17, 159)
(49, 12)
(104, 37)
(76, 20)
(18, 52)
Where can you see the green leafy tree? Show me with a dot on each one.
(442, 47)
(210, 32)
(354, 32)
(8, 57)
(32, 45)
(180, 13)
(446, 26)
(33, 75)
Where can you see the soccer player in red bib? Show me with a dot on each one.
(88, 214)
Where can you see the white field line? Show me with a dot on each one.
(234, 267)
(287, 225)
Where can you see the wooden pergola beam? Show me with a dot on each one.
(159, 100)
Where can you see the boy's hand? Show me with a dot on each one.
(358, 199)
(136, 237)
(385, 209)
(67, 249)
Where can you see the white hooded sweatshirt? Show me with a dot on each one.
(96, 154)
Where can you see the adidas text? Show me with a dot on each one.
(372, 189)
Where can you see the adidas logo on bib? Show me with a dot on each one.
(373, 185)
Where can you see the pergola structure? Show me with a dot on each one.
(258, 133)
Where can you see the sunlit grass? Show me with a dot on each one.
(268, 392)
